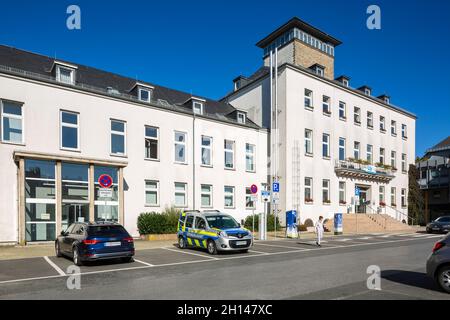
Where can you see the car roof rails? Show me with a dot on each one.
(211, 211)
(191, 211)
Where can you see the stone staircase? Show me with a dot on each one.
(370, 223)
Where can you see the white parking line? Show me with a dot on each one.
(143, 262)
(54, 266)
(258, 252)
(278, 246)
(191, 253)
(364, 238)
(211, 259)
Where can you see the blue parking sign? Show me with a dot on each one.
(357, 191)
(276, 187)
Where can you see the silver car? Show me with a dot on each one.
(438, 264)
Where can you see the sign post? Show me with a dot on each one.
(105, 183)
(254, 191)
(275, 201)
(265, 198)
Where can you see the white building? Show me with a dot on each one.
(332, 138)
(63, 125)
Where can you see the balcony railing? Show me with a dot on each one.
(363, 171)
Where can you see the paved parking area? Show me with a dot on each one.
(33, 269)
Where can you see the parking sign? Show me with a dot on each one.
(276, 187)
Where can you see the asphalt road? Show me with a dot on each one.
(282, 269)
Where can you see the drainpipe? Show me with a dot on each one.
(193, 163)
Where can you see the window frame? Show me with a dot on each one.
(343, 200)
(404, 131)
(232, 194)
(309, 187)
(326, 103)
(403, 198)
(369, 120)
(124, 134)
(151, 190)
(382, 124)
(58, 74)
(343, 108)
(369, 153)
(194, 107)
(149, 91)
(241, 117)
(146, 137)
(357, 149)
(253, 155)
(404, 163)
(210, 193)
(327, 189)
(326, 144)
(232, 151)
(357, 115)
(184, 143)
(308, 98)
(393, 128)
(382, 158)
(12, 116)
(210, 148)
(69, 125)
(393, 196)
(342, 147)
(311, 142)
(185, 193)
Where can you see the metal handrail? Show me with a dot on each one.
(403, 214)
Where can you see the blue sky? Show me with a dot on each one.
(200, 46)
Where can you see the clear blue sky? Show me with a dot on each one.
(199, 46)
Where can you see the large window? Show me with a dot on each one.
(393, 197)
(144, 94)
(11, 122)
(197, 107)
(356, 150)
(151, 143)
(382, 200)
(308, 141)
(207, 151)
(180, 194)
(65, 75)
(393, 128)
(228, 196)
(326, 191)
(369, 155)
(403, 195)
(357, 115)
(229, 154)
(404, 131)
(342, 192)
(326, 105)
(180, 147)
(382, 155)
(369, 120)
(118, 137)
(394, 160)
(69, 130)
(325, 145)
(382, 124)
(404, 169)
(249, 203)
(308, 99)
(40, 200)
(106, 205)
(250, 157)
(342, 149)
(342, 110)
(151, 193)
(308, 189)
(206, 195)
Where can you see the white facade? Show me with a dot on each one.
(296, 164)
(41, 124)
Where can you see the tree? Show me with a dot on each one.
(415, 196)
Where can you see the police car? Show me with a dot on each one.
(212, 230)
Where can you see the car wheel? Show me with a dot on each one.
(127, 259)
(181, 243)
(429, 231)
(76, 257)
(58, 250)
(443, 278)
(212, 249)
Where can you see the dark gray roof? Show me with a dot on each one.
(441, 146)
(40, 66)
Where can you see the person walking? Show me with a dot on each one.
(319, 231)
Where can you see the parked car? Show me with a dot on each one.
(95, 241)
(441, 225)
(212, 230)
(438, 264)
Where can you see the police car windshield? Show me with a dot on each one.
(222, 222)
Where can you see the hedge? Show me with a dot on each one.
(158, 223)
(248, 223)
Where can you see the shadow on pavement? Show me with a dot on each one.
(410, 278)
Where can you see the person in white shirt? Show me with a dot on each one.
(319, 230)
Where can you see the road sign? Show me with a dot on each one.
(265, 195)
(275, 197)
(276, 187)
(105, 193)
(254, 188)
(105, 181)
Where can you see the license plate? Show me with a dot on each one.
(241, 243)
(112, 244)
(435, 228)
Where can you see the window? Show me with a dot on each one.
(326, 191)
(144, 94)
(394, 160)
(404, 131)
(319, 71)
(342, 192)
(11, 122)
(326, 105)
(69, 130)
(393, 197)
(342, 149)
(381, 196)
(382, 124)
(229, 154)
(342, 110)
(308, 141)
(393, 128)
(197, 107)
(369, 155)
(118, 137)
(180, 147)
(356, 148)
(151, 193)
(180, 194)
(151, 143)
(325, 145)
(357, 115)
(65, 75)
(404, 163)
(200, 223)
(229, 196)
(369, 120)
(250, 157)
(345, 82)
(367, 91)
(206, 151)
(189, 222)
(308, 99)
(241, 117)
(403, 200)
(206, 195)
(308, 189)
(382, 155)
(249, 203)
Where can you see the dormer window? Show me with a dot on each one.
(65, 74)
(318, 69)
(345, 82)
(144, 94)
(367, 91)
(197, 107)
(241, 117)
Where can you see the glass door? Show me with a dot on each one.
(74, 212)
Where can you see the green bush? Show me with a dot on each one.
(158, 223)
(248, 223)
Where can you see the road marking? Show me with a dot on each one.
(191, 253)
(54, 266)
(210, 259)
(278, 246)
(258, 252)
(143, 262)
(364, 238)
(420, 235)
